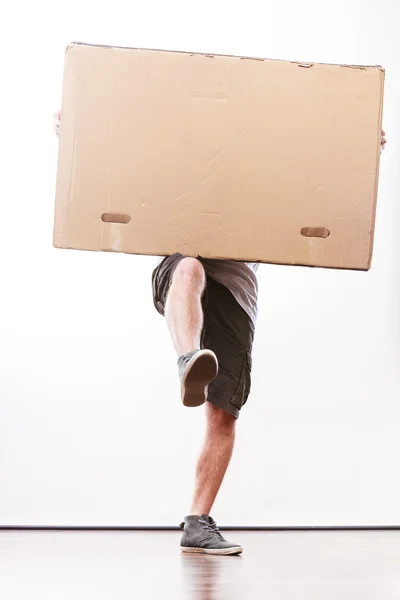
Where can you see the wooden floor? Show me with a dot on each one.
(149, 565)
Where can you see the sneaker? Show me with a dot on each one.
(197, 370)
(201, 535)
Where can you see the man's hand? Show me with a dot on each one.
(383, 140)
(56, 121)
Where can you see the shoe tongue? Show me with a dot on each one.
(206, 518)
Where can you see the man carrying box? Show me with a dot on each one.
(210, 308)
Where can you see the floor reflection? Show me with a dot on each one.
(203, 575)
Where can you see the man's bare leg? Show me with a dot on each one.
(183, 309)
(214, 458)
(184, 316)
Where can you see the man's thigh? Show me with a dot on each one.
(162, 278)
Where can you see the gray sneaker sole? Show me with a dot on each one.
(233, 550)
(199, 373)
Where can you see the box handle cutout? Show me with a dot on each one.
(320, 232)
(115, 218)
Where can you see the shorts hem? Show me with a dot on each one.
(232, 410)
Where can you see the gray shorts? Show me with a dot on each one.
(228, 331)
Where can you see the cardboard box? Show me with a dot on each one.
(218, 156)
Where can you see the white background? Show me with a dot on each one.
(92, 431)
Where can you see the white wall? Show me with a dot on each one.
(92, 431)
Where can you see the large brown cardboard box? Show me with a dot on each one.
(218, 156)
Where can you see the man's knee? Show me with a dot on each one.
(190, 271)
(220, 419)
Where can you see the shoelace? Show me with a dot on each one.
(210, 526)
(187, 357)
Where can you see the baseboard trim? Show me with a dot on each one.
(223, 528)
